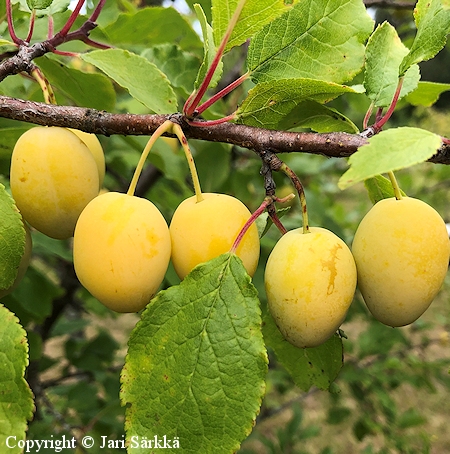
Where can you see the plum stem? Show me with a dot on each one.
(381, 122)
(301, 193)
(190, 159)
(166, 126)
(47, 90)
(195, 98)
(219, 95)
(266, 202)
(395, 186)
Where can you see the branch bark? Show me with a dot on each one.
(337, 145)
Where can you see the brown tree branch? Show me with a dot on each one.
(338, 144)
(257, 139)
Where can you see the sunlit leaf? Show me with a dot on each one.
(433, 26)
(315, 39)
(384, 53)
(196, 361)
(16, 399)
(144, 81)
(255, 14)
(427, 93)
(393, 149)
(12, 239)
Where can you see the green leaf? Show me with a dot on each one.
(34, 283)
(179, 66)
(264, 222)
(393, 149)
(380, 188)
(196, 362)
(255, 14)
(427, 93)
(316, 39)
(9, 139)
(83, 89)
(209, 51)
(151, 26)
(16, 399)
(144, 81)
(433, 25)
(287, 103)
(12, 239)
(384, 53)
(39, 4)
(318, 366)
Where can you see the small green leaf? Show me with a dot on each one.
(264, 222)
(179, 66)
(384, 53)
(12, 239)
(380, 188)
(255, 14)
(318, 366)
(209, 50)
(287, 103)
(427, 93)
(196, 362)
(144, 81)
(93, 90)
(433, 26)
(152, 26)
(39, 4)
(315, 39)
(16, 399)
(393, 149)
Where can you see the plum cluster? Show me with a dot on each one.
(122, 244)
(399, 259)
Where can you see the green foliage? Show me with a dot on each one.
(193, 365)
(137, 75)
(16, 406)
(318, 366)
(12, 239)
(393, 149)
(428, 15)
(255, 14)
(280, 104)
(196, 361)
(384, 53)
(315, 39)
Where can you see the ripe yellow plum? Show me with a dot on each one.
(310, 281)
(201, 231)
(121, 250)
(53, 177)
(95, 147)
(23, 265)
(401, 249)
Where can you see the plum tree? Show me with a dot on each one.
(53, 177)
(202, 230)
(310, 280)
(401, 249)
(121, 250)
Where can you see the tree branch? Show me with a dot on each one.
(337, 144)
